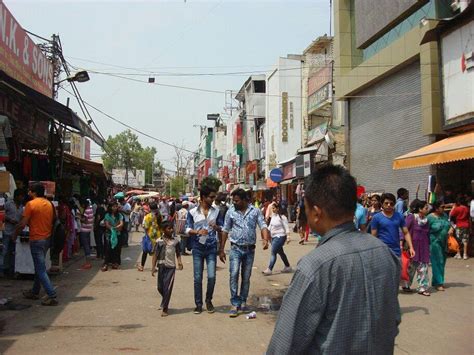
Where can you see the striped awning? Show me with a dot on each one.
(447, 150)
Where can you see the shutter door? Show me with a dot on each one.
(384, 127)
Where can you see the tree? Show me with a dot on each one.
(125, 151)
(176, 186)
(182, 159)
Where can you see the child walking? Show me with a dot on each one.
(167, 250)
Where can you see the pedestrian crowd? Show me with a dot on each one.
(377, 241)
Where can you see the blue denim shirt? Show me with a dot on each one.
(241, 226)
(197, 220)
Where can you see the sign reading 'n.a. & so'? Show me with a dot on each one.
(21, 58)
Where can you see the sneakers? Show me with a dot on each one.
(210, 307)
(465, 257)
(234, 312)
(244, 308)
(287, 269)
(457, 256)
(198, 310)
(267, 272)
(29, 295)
(49, 301)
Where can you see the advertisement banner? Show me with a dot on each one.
(136, 178)
(317, 134)
(21, 58)
(76, 145)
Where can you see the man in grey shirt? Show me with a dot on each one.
(343, 298)
(13, 213)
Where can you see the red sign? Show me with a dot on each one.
(21, 58)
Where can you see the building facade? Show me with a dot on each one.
(390, 82)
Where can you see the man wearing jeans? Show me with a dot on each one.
(39, 215)
(241, 219)
(13, 213)
(202, 225)
(87, 223)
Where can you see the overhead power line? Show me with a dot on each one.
(143, 133)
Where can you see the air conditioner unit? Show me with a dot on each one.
(459, 5)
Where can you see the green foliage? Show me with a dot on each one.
(125, 151)
(211, 181)
(176, 187)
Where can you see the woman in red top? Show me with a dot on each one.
(460, 216)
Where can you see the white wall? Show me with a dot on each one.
(283, 80)
(458, 87)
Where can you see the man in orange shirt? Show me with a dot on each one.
(39, 215)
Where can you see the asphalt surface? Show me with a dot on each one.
(117, 312)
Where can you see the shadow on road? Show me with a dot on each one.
(412, 309)
(456, 284)
(29, 317)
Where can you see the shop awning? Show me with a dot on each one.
(287, 182)
(89, 166)
(50, 107)
(450, 149)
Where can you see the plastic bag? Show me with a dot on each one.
(405, 266)
(453, 245)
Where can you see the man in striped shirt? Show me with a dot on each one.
(87, 223)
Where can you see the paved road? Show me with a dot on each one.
(117, 312)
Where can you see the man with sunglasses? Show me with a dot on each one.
(202, 225)
(386, 226)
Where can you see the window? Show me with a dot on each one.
(259, 86)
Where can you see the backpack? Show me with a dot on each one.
(58, 234)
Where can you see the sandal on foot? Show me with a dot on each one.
(424, 293)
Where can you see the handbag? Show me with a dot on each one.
(147, 245)
(453, 245)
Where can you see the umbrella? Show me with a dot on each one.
(135, 192)
(119, 195)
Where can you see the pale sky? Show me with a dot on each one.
(192, 37)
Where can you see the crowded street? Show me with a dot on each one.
(118, 312)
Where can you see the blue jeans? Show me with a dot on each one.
(201, 254)
(240, 261)
(277, 248)
(85, 238)
(39, 249)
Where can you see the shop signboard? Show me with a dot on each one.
(319, 79)
(136, 178)
(21, 58)
(284, 117)
(31, 124)
(76, 145)
(289, 171)
(317, 99)
(317, 134)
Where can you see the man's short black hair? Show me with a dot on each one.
(240, 193)
(18, 193)
(388, 196)
(401, 192)
(333, 189)
(166, 224)
(206, 191)
(38, 189)
(153, 206)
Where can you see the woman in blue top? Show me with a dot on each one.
(113, 226)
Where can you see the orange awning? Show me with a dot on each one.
(450, 149)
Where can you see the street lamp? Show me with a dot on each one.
(81, 77)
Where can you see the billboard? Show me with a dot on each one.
(21, 58)
(136, 178)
